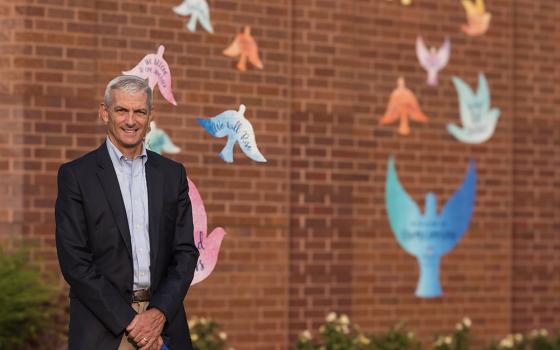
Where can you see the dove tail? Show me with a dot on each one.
(207, 125)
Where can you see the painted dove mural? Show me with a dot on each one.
(208, 244)
(430, 235)
(478, 118)
(154, 68)
(432, 60)
(402, 105)
(237, 128)
(158, 141)
(199, 12)
(246, 48)
(478, 20)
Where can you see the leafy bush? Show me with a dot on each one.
(339, 334)
(206, 334)
(25, 302)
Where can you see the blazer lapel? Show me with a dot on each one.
(110, 183)
(154, 180)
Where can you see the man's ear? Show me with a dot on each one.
(103, 113)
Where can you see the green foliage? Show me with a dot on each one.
(397, 339)
(339, 334)
(25, 302)
(206, 335)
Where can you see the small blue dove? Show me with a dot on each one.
(158, 141)
(429, 236)
(237, 128)
(198, 10)
(479, 120)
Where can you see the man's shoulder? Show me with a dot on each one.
(163, 162)
(82, 162)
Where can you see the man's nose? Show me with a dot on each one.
(130, 119)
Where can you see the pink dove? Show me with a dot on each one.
(208, 245)
(154, 68)
(432, 60)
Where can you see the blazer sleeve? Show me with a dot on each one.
(76, 259)
(171, 292)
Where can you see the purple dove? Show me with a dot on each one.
(432, 60)
(154, 68)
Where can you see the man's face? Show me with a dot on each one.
(127, 120)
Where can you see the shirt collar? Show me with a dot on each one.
(117, 155)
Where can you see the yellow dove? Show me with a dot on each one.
(478, 20)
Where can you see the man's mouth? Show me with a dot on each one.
(130, 131)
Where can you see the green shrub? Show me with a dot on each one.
(206, 334)
(25, 302)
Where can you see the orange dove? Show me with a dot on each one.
(478, 20)
(245, 47)
(403, 104)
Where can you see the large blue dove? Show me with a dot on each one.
(237, 128)
(478, 118)
(430, 235)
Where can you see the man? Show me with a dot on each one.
(124, 234)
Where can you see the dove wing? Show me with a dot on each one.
(415, 111)
(401, 209)
(483, 93)
(443, 54)
(466, 96)
(422, 53)
(392, 113)
(248, 143)
(234, 49)
(164, 85)
(469, 6)
(209, 255)
(168, 146)
(480, 6)
(183, 10)
(254, 59)
(456, 214)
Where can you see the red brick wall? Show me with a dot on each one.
(307, 232)
(536, 166)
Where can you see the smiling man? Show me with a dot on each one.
(124, 233)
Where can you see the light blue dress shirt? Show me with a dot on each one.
(131, 174)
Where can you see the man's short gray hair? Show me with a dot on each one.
(130, 84)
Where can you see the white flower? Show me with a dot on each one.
(194, 337)
(331, 317)
(543, 332)
(518, 338)
(305, 335)
(467, 322)
(344, 319)
(448, 340)
(363, 340)
(507, 342)
(410, 335)
(203, 320)
(459, 326)
(222, 335)
(345, 329)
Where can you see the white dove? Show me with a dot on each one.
(478, 119)
(237, 128)
(199, 11)
(432, 60)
